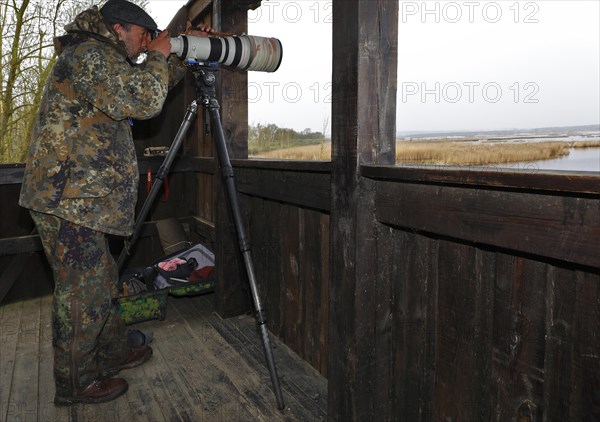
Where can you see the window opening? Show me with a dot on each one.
(509, 85)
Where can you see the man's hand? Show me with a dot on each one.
(202, 30)
(161, 43)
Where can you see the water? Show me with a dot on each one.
(579, 159)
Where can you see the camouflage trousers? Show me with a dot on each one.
(88, 332)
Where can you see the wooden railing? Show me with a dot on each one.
(478, 276)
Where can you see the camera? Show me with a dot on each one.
(245, 52)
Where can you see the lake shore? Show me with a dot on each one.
(460, 151)
(484, 152)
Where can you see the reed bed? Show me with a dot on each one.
(454, 152)
(309, 152)
(483, 153)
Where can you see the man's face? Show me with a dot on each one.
(135, 37)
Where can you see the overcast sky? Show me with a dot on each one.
(462, 65)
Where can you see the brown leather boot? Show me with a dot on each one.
(99, 391)
(136, 357)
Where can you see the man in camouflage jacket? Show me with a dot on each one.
(81, 180)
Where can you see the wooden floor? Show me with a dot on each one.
(203, 369)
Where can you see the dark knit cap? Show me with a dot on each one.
(122, 11)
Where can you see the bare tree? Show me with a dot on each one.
(27, 30)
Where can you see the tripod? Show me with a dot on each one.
(206, 94)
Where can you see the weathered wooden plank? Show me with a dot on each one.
(140, 402)
(10, 321)
(307, 275)
(11, 174)
(304, 391)
(483, 331)
(477, 177)
(455, 369)
(304, 189)
(231, 382)
(20, 245)
(198, 8)
(558, 360)
(311, 279)
(414, 326)
(585, 393)
(268, 231)
(293, 166)
(364, 307)
(260, 252)
(384, 313)
(250, 378)
(181, 164)
(177, 400)
(47, 411)
(430, 250)
(278, 256)
(519, 330)
(324, 308)
(565, 228)
(291, 287)
(193, 375)
(205, 197)
(232, 289)
(24, 384)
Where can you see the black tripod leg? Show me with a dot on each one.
(188, 119)
(261, 316)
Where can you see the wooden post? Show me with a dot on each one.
(232, 291)
(363, 132)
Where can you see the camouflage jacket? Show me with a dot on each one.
(81, 164)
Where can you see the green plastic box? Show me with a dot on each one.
(150, 305)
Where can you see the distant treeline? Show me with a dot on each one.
(262, 138)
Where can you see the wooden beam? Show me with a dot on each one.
(307, 190)
(198, 8)
(232, 290)
(365, 37)
(565, 228)
(180, 165)
(530, 180)
(241, 4)
(11, 174)
(20, 245)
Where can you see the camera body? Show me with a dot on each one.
(245, 52)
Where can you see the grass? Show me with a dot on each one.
(455, 152)
(257, 149)
(483, 153)
(308, 152)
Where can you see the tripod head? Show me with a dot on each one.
(206, 81)
(206, 88)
